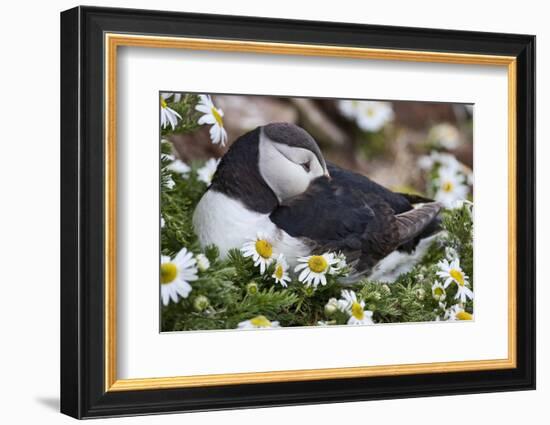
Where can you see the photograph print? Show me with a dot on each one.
(284, 211)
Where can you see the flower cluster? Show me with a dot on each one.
(450, 180)
(311, 270)
(452, 275)
(180, 168)
(174, 106)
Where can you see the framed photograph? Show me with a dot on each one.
(261, 212)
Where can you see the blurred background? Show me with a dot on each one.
(395, 143)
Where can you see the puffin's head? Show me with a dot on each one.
(289, 159)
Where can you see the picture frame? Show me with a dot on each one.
(90, 40)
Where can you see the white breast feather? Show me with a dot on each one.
(222, 221)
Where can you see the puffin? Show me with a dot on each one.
(275, 181)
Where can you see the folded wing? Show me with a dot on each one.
(358, 217)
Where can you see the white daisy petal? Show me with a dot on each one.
(212, 116)
(206, 119)
(176, 274)
(165, 296)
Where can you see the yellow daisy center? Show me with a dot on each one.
(438, 291)
(447, 187)
(264, 248)
(370, 112)
(163, 103)
(317, 263)
(463, 315)
(261, 322)
(217, 117)
(168, 272)
(458, 276)
(357, 311)
(279, 271)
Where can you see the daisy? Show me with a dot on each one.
(167, 157)
(452, 272)
(202, 262)
(261, 250)
(438, 291)
(175, 275)
(368, 115)
(314, 268)
(456, 312)
(169, 182)
(425, 162)
(258, 322)
(280, 274)
(445, 135)
(167, 115)
(348, 298)
(176, 99)
(213, 116)
(339, 265)
(450, 253)
(348, 108)
(450, 187)
(360, 316)
(356, 309)
(180, 167)
(331, 306)
(207, 171)
(446, 160)
(372, 116)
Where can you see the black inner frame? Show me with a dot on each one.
(82, 212)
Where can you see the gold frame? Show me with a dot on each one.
(113, 41)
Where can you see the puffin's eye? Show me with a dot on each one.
(305, 166)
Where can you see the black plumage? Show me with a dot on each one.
(238, 175)
(350, 213)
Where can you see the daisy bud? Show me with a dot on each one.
(252, 288)
(420, 293)
(386, 289)
(202, 262)
(331, 307)
(376, 296)
(201, 303)
(309, 291)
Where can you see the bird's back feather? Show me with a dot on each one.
(353, 214)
